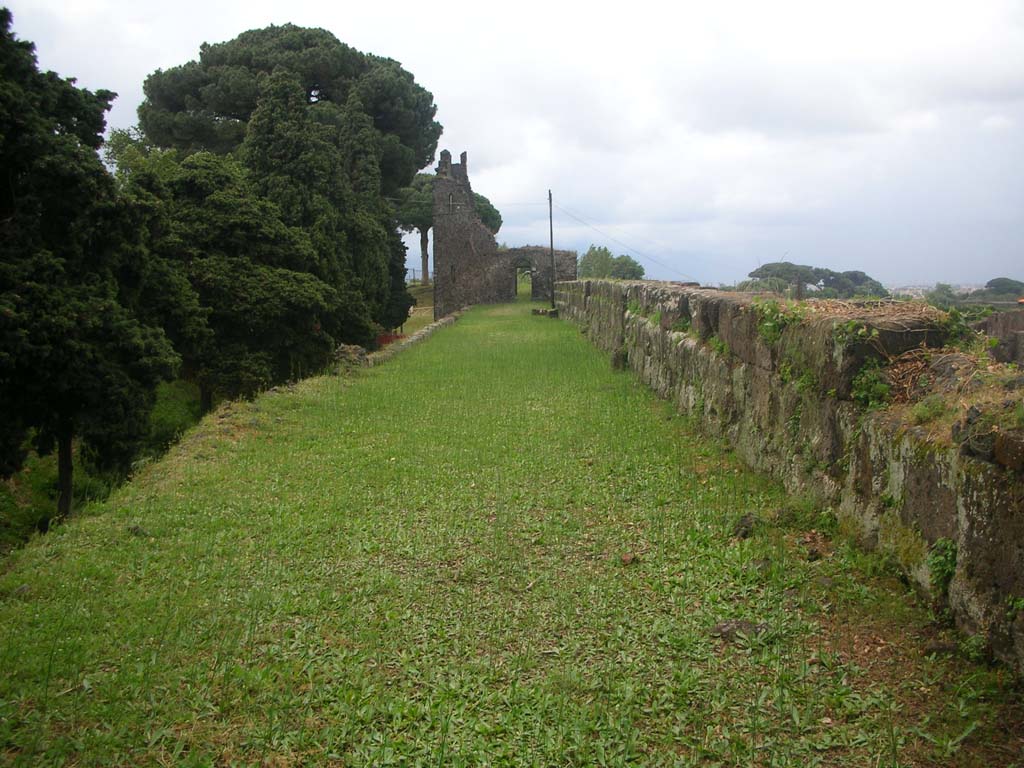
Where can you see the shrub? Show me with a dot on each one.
(870, 388)
(774, 317)
(852, 331)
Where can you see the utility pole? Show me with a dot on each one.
(551, 227)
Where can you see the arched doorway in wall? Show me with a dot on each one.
(524, 284)
(520, 273)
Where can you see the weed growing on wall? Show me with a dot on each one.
(718, 345)
(775, 316)
(957, 327)
(870, 388)
(807, 382)
(853, 331)
(942, 567)
(1014, 607)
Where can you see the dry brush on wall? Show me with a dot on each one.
(792, 386)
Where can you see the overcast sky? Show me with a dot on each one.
(702, 138)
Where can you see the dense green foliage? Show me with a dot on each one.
(870, 388)
(599, 262)
(207, 104)
(942, 296)
(289, 587)
(77, 359)
(774, 317)
(415, 212)
(269, 311)
(176, 410)
(1005, 285)
(326, 133)
(244, 233)
(825, 282)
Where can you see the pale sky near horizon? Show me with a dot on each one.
(703, 139)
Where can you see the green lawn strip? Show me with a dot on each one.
(422, 313)
(492, 550)
(420, 318)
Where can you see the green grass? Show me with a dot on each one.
(928, 409)
(492, 550)
(28, 500)
(423, 311)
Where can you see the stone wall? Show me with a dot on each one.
(537, 259)
(786, 405)
(1008, 330)
(468, 266)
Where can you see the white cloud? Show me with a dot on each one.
(996, 123)
(710, 136)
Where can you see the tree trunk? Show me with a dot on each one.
(205, 399)
(424, 257)
(64, 470)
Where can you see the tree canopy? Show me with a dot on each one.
(488, 214)
(325, 133)
(999, 291)
(942, 296)
(1005, 285)
(207, 104)
(599, 262)
(826, 282)
(269, 312)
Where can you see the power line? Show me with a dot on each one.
(642, 255)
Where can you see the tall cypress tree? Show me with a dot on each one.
(75, 360)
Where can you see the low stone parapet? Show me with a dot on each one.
(797, 389)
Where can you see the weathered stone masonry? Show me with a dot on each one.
(468, 266)
(892, 488)
(1008, 330)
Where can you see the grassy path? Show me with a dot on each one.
(492, 550)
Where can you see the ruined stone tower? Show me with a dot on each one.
(463, 246)
(468, 267)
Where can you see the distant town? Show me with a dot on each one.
(919, 290)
